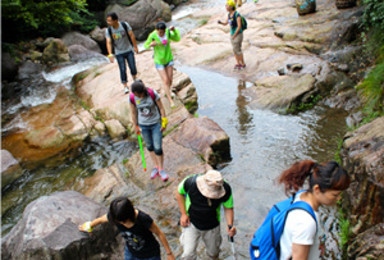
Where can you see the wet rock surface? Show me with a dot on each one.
(363, 155)
(142, 15)
(49, 230)
(75, 38)
(277, 43)
(10, 168)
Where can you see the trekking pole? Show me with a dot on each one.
(141, 149)
(231, 240)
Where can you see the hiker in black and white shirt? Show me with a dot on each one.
(119, 36)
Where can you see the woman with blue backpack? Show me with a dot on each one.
(236, 23)
(292, 229)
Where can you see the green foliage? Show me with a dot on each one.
(337, 157)
(295, 108)
(23, 18)
(345, 230)
(371, 92)
(373, 14)
(203, 22)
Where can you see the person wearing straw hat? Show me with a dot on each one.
(200, 198)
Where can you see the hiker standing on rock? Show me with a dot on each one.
(236, 34)
(160, 40)
(303, 236)
(137, 229)
(148, 117)
(200, 198)
(119, 36)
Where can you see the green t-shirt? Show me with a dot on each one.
(162, 53)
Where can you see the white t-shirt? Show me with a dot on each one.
(300, 228)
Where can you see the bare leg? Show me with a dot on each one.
(166, 83)
(160, 160)
(155, 160)
(169, 71)
(241, 59)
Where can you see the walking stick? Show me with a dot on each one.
(141, 149)
(232, 242)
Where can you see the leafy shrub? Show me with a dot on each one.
(373, 14)
(23, 19)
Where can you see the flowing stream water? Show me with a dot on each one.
(263, 143)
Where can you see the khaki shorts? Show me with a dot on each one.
(236, 43)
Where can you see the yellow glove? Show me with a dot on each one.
(164, 122)
(87, 226)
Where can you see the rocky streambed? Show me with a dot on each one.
(292, 63)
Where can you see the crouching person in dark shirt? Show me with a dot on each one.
(136, 227)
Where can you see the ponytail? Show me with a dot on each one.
(328, 176)
(294, 177)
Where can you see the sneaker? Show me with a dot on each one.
(243, 66)
(154, 173)
(163, 175)
(237, 67)
(126, 90)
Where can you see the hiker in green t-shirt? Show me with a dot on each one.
(200, 198)
(236, 34)
(160, 41)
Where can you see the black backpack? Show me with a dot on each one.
(126, 31)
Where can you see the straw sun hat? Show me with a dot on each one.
(211, 184)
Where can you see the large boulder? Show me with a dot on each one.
(8, 67)
(363, 157)
(98, 35)
(10, 168)
(204, 137)
(115, 129)
(29, 70)
(80, 53)
(49, 230)
(281, 92)
(142, 15)
(50, 129)
(56, 52)
(75, 38)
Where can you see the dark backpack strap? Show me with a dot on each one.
(194, 185)
(126, 30)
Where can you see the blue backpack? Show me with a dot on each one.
(265, 244)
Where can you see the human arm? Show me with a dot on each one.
(134, 117)
(300, 252)
(238, 19)
(174, 34)
(94, 223)
(162, 114)
(229, 216)
(222, 23)
(150, 42)
(160, 234)
(184, 219)
(134, 43)
(109, 49)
